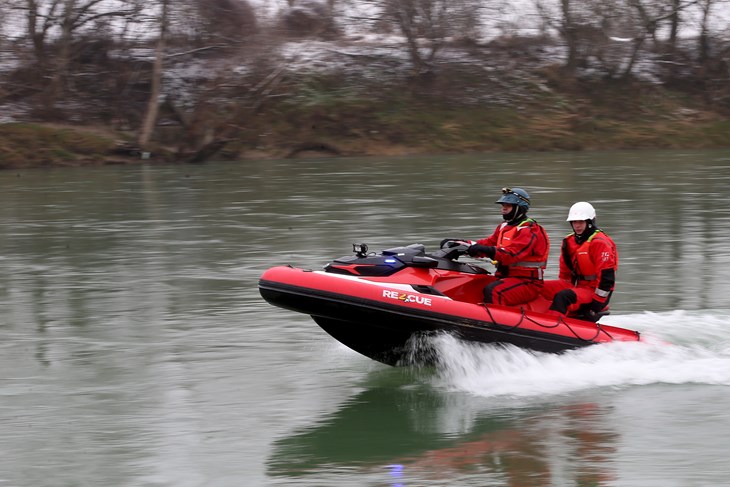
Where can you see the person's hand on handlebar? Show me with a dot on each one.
(478, 250)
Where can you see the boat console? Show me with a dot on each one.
(394, 259)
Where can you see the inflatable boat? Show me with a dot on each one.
(382, 304)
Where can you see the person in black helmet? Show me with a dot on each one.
(519, 246)
(588, 265)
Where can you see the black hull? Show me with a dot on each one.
(385, 332)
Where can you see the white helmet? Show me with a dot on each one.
(581, 211)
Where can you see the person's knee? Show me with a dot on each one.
(489, 292)
(563, 300)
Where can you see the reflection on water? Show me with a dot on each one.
(136, 349)
(490, 415)
(419, 435)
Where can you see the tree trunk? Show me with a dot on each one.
(568, 30)
(405, 16)
(704, 40)
(638, 42)
(63, 58)
(674, 28)
(36, 36)
(153, 105)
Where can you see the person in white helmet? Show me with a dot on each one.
(588, 265)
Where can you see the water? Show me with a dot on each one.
(136, 350)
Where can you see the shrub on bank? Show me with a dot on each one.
(36, 145)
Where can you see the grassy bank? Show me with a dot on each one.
(398, 122)
(605, 117)
(25, 145)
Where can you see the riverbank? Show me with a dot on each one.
(600, 117)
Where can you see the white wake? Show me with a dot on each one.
(677, 347)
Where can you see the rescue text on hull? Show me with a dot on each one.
(381, 305)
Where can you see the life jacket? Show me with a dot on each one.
(533, 266)
(578, 259)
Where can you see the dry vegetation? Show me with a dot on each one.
(228, 92)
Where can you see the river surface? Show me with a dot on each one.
(136, 350)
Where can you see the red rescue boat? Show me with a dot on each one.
(380, 304)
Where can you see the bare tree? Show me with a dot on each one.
(670, 17)
(3, 15)
(217, 30)
(597, 34)
(41, 19)
(675, 7)
(705, 7)
(52, 26)
(603, 35)
(426, 25)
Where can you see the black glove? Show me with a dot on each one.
(596, 306)
(594, 311)
(478, 249)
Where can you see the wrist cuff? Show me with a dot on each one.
(602, 294)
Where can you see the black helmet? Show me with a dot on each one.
(516, 196)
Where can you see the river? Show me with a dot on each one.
(137, 351)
